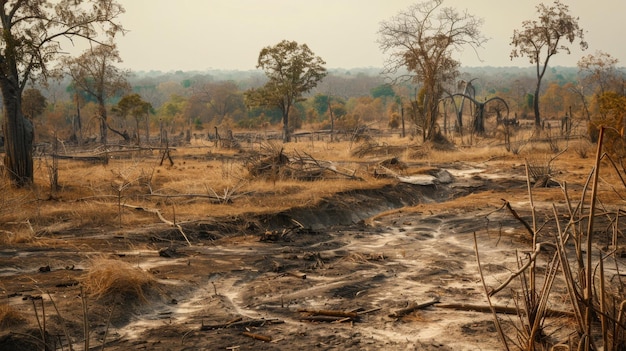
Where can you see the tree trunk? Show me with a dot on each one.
(19, 134)
(147, 129)
(78, 127)
(286, 133)
(102, 110)
(536, 105)
(137, 131)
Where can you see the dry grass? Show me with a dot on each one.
(110, 278)
(10, 317)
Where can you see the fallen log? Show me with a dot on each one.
(413, 307)
(257, 336)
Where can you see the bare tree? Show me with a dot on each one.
(599, 72)
(31, 34)
(539, 40)
(422, 39)
(93, 72)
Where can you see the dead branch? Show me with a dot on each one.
(369, 311)
(240, 324)
(163, 219)
(499, 309)
(520, 219)
(413, 307)
(257, 336)
(214, 198)
(327, 319)
(531, 259)
(331, 313)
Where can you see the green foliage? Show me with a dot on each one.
(134, 106)
(320, 103)
(292, 70)
(385, 90)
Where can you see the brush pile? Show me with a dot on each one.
(272, 163)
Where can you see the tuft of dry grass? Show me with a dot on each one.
(10, 317)
(110, 278)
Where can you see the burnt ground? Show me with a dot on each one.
(245, 279)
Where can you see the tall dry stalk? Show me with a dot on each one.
(598, 316)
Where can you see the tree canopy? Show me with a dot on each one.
(292, 70)
(539, 40)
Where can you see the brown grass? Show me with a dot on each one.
(10, 317)
(110, 278)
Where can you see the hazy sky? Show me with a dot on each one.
(229, 34)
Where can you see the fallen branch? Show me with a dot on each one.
(331, 313)
(257, 336)
(499, 309)
(413, 307)
(214, 198)
(163, 219)
(328, 319)
(240, 323)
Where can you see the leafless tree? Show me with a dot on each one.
(422, 40)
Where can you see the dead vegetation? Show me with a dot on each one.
(10, 317)
(117, 280)
(136, 197)
(272, 163)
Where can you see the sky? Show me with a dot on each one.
(189, 35)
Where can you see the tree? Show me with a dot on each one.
(599, 73)
(135, 106)
(94, 74)
(422, 39)
(292, 70)
(384, 90)
(222, 98)
(33, 103)
(539, 40)
(30, 41)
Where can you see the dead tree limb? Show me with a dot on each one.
(499, 309)
(413, 307)
(257, 336)
(331, 313)
(531, 259)
(163, 219)
(520, 219)
(241, 324)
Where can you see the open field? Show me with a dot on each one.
(297, 246)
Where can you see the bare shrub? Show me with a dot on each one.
(581, 147)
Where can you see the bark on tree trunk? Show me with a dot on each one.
(19, 134)
(103, 123)
(286, 134)
(536, 106)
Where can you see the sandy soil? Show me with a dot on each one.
(347, 258)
